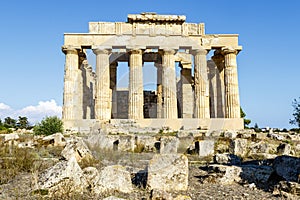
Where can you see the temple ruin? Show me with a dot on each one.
(205, 96)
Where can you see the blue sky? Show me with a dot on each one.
(32, 63)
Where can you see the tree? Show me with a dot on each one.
(246, 121)
(296, 114)
(48, 126)
(23, 122)
(9, 122)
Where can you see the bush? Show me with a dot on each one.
(48, 126)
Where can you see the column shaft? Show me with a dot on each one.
(159, 90)
(201, 85)
(232, 99)
(103, 92)
(113, 87)
(70, 99)
(135, 96)
(218, 59)
(169, 85)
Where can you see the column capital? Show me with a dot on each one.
(98, 51)
(69, 49)
(169, 51)
(229, 50)
(135, 51)
(199, 52)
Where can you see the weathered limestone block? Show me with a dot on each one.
(113, 178)
(91, 175)
(168, 172)
(56, 139)
(147, 142)
(168, 144)
(238, 147)
(9, 137)
(63, 172)
(284, 149)
(229, 174)
(260, 147)
(287, 167)
(126, 143)
(77, 149)
(206, 147)
(100, 141)
(227, 158)
(262, 136)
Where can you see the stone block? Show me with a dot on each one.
(113, 178)
(260, 147)
(284, 149)
(206, 147)
(168, 144)
(226, 158)
(238, 147)
(168, 172)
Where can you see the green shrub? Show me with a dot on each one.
(48, 126)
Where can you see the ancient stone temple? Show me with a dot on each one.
(205, 95)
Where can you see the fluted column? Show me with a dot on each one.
(136, 97)
(159, 90)
(218, 59)
(201, 84)
(70, 99)
(169, 85)
(103, 96)
(232, 99)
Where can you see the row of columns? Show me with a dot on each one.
(225, 59)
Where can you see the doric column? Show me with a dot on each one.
(232, 99)
(201, 84)
(218, 59)
(71, 99)
(169, 85)
(103, 96)
(113, 87)
(186, 93)
(159, 90)
(135, 96)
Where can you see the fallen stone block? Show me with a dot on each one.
(168, 172)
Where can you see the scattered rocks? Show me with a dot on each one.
(168, 172)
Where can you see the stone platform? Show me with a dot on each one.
(92, 125)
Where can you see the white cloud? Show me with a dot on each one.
(4, 107)
(34, 113)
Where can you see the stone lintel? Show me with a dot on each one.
(70, 49)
